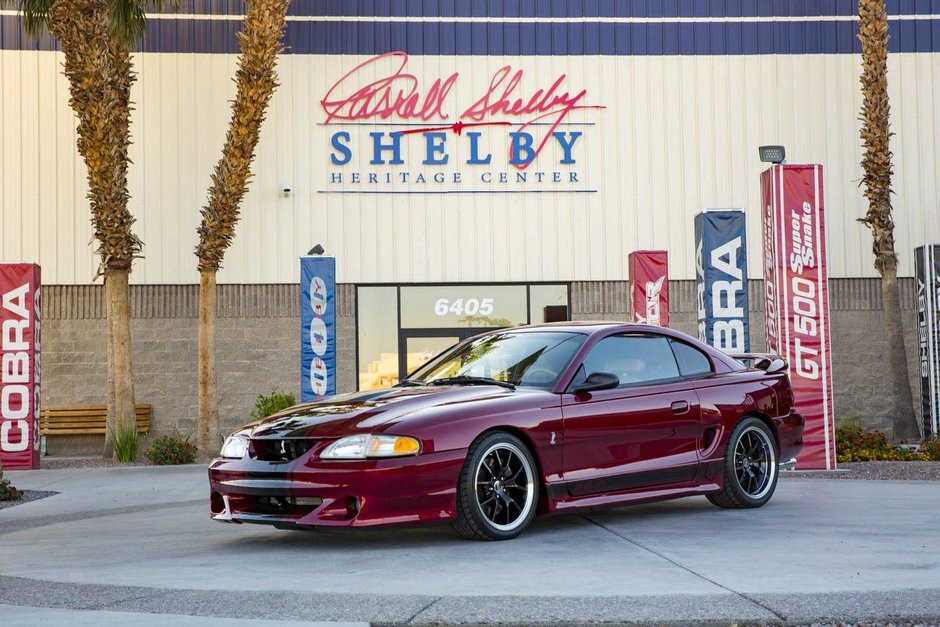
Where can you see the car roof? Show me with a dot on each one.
(589, 327)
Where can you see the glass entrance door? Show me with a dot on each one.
(401, 327)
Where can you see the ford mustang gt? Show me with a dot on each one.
(515, 423)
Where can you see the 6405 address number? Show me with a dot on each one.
(464, 306)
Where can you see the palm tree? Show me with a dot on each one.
(255, 80)
(876, 163)
(95, 37)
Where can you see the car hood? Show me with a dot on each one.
(364, 412)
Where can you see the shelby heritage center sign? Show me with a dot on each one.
(391, 129)
(927, 276)
(19, 365)
(796, 316)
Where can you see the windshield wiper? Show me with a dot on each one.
(465, 380)
(404, 383)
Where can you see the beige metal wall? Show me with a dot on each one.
(678, 134)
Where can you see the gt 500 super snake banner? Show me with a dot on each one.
(797, 298)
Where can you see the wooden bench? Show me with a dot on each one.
(84, 420)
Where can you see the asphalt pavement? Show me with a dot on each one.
(120, 545)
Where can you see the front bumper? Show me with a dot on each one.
(312, 493)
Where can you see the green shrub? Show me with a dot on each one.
(272, 403)
(8, 492)
(125, 441)
(854, 444)
(850, 424)
(172, 449)
(931, 449)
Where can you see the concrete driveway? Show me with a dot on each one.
(119, 542)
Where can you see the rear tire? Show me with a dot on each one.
(750, 468)
(497, 492)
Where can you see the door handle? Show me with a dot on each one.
(680, 407)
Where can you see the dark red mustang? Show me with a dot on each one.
(517, 422)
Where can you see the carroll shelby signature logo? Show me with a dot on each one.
(399, 94)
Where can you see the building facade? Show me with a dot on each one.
(470, 165)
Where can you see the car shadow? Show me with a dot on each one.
(544, 528)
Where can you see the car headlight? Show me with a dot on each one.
(235, 446)
(365, 446)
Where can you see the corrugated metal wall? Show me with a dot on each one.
(678, 134)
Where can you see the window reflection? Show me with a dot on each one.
(548, 303)
(377, 333)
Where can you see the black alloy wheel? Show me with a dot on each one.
(497, 492)
(750, 469)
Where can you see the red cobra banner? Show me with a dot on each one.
(796, 315)
(649, 281)
(19, 357)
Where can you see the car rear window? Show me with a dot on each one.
(692, 361)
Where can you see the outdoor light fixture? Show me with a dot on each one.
(773, 154)
(316, 250)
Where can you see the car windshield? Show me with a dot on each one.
(532, 358)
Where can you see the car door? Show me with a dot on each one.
(644, 432)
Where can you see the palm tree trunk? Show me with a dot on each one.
(99, 72)
(877, 167)
(255, 80)
(905, 423)
(121, 408)
(208, 395)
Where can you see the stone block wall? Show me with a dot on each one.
(257, 350)
(258, 346)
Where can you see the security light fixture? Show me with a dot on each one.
(773, 154)
(316, 250)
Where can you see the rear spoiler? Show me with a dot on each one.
(767, 362)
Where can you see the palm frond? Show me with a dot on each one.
(127, 21)
(35, 14)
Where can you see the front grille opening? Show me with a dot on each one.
(352, 507)
(283, 506)
(216, 504)
(279, 450)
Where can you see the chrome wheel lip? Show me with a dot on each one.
(764, 461)
(529, 485)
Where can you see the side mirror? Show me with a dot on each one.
(598, 381)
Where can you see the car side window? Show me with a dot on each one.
(634, 358)
(692, 361)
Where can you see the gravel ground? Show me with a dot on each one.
(28, 495)
(905, 471)
(56, 463)
(926, 623)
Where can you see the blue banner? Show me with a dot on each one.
(317, 328)
(721, 280)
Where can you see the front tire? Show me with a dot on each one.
(750, 469)
(497, 492)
